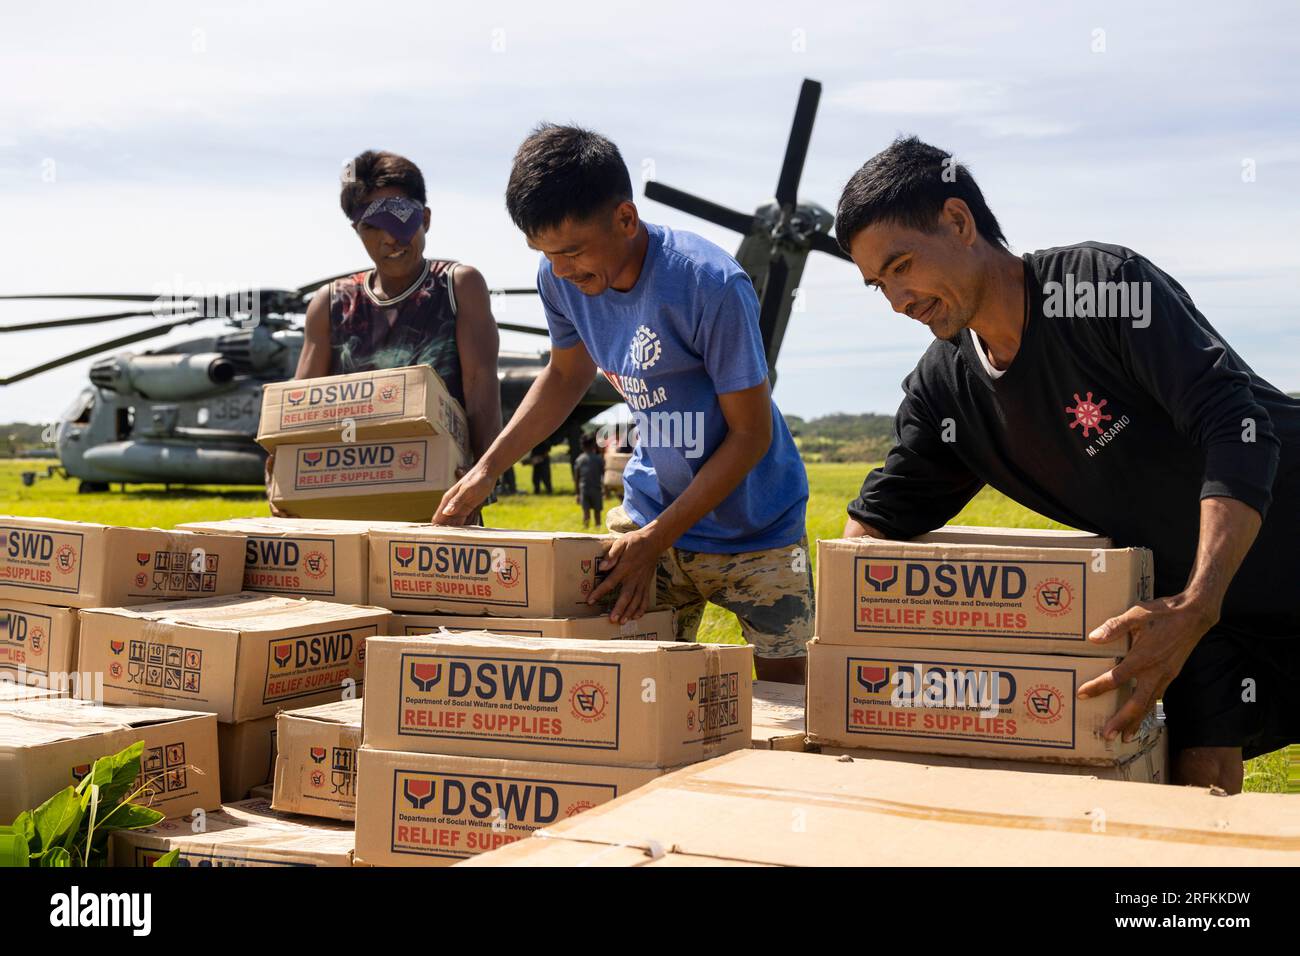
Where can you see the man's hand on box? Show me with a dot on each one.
(1164, 633)
(463, 500)
(629, 565)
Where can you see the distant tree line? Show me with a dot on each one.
(842, 437)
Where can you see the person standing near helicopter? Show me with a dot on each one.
(407, 310)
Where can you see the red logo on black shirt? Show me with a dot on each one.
(1087, 413)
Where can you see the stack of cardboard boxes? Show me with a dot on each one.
(969, 645)
(475, 740)
(51, 573)
(50, 568)
(526, 583)
(242, 657)
(382, 445)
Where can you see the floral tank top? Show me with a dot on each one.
(415, 328)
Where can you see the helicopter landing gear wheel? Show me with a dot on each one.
(92, 487)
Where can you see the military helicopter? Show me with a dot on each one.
(187, 414)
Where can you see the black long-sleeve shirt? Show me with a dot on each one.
(1116, 424)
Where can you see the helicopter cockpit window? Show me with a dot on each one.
(79, 411)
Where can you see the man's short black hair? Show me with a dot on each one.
(376, 169)
(564, 172)
(906, 184)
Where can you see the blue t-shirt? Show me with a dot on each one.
(686, 333)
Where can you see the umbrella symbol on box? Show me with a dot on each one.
(425, 676)
(296, 396)
(418, 792)
(282, 654)
(318, 754)
(404, 555)
(311, 458)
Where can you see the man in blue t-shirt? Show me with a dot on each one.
(715, 492)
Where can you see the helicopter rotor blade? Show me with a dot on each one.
(796, 148)
(532, 291)
(178, 309)
(101, 347)
(741, 222)
(96, 296)
(827, 244)
(311, 287)
(773, 290)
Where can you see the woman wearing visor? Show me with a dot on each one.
(407, 310)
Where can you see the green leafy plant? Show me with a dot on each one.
(72, 828)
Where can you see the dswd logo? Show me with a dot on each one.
(282, 653)
(873, 677)
(424, 676)
(404, 555)
(418, 793)
(312, 458)
(318, 754)
(881, 577)
(142, 558)
(296, 396)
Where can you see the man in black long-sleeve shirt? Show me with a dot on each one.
(1083, 383)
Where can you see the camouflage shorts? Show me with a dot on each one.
(770, 591)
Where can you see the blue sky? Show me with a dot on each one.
(187, 143)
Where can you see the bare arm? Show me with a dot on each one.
(477, 342)
(1166, 630)
(853, 528)
(554, 394)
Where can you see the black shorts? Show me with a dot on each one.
(591, 499)
(1237, 689)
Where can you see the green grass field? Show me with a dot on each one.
(833, 485)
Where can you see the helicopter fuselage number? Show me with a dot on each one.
(229, 409)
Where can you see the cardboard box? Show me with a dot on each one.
(79, 564)
(242, 656)
(616, 703)
(301, 557)
(11, 690)
(651, 626)
(974, 535)
(486, 571)
(1149, 766)
(778, 716)
(316, 760)
(245, 833)
(47, 745)
(388, 403)
(247, 756)
(1029, 600)
(37, 641)
(384, 479)
(433, 810)
(744, 806)
(554, 853)
(968, 703)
